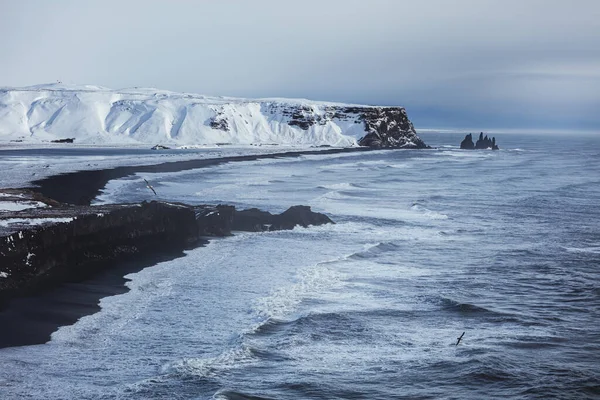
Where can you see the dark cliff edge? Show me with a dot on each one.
(385, 127)
(389, 127)
(85, 241)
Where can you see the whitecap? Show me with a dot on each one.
(428, 213)
(591, 250)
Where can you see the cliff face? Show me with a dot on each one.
(372, 126)
(97, 115)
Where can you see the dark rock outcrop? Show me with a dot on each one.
(467, 143)
(481, 144)
(389, 127)
(98, 237)
(384, 127)
(67, 140)
(219, 122)
(159, 147)
(255, 220)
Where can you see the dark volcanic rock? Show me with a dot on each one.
(47, 254)
(220, 122)
(214, 221)
(389, 127)
(384, 127)
(99, 237)
(160, 147)
(40, 266)
(252, 220)
(467, 143)
(482, 143)
(298, 215)
(485, 143)
(255, 220)
(67, 140)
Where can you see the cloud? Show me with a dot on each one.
(470, 59)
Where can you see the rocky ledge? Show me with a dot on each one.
(483, 143)
(43, 247)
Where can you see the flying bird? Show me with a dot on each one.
(459, 338)
(149, 186)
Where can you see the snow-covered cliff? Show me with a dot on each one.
(97, 115)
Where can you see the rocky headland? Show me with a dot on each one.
(45, 249)
(97, 115)
(77, 241)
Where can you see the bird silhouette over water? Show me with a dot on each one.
(150, 186)
(459, 338)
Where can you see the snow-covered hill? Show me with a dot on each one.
(97, 115)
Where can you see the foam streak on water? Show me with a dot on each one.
(428, 244)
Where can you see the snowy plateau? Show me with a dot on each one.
(100, 116)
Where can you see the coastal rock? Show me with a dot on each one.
(389, 127)
(78, 241)
(298, 216)
(482, 143)
(255, 220)
(383, 127)
(467, 143)
(159, 147)
(67, 140)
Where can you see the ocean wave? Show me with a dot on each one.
(338, 186)
(428, 213)
(311, 322)
(447, 304)
(284, 300)
(488, 374)
(238, 357)
(376, 249)
(234, 395)
(590, 250)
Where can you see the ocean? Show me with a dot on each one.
(503, 246)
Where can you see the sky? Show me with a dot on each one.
(452, 64)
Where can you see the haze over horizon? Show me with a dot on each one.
(468, 63)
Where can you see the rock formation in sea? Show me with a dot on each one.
(467, 143)
(481, 144)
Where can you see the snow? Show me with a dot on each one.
(32, 221)
(19, 205)
(10, 195)
(101, 116)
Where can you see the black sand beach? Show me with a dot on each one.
(31, 319)
(81, 187)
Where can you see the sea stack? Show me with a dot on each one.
(483, 143)
(467, 143)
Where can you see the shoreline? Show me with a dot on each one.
(30, 316)
(82, 187)
(32, 319)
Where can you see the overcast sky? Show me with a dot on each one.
(459, 63)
